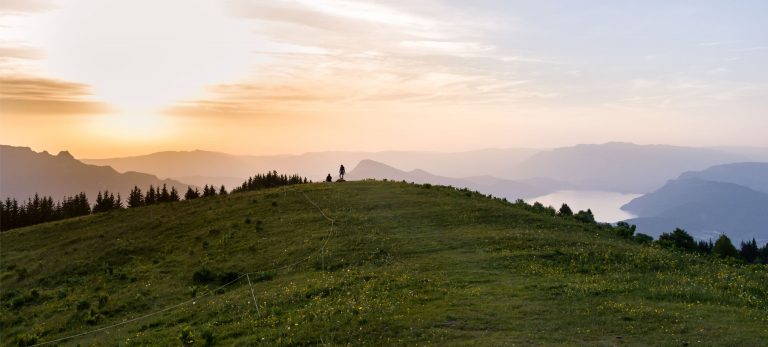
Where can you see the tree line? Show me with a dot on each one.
(269, 180)
(36, 210)
(748, 252)
(15, 214)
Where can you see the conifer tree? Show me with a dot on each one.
(174, 196)
(191, 194)
(164, 195)
(749, 251)
(222, 190)
(136, 198)
(724, 248)
(150, 198)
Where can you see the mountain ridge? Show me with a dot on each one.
(24, 172)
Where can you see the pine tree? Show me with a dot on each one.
(174, 195)
(164, 195)
(565, 210)
(749, 251)
(222, 190)
(724, 248)
(136, 198)
(117, 203)
(150, 198)
(191, 194)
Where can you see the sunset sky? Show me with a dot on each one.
(113, 78)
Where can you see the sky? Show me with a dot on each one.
(107, 78)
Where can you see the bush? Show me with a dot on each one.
(643, 238)
(83, 305)
(203, 276)
(208, 338)
(625, 230)
(187, 337)
(27, 339)
(679, 239)
(585, 216)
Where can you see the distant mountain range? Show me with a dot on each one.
(616, 167)
(220, 168)
(486, 184)
(730, 199)
(24, 172)
(620, 167)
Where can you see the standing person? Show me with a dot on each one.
(342, 171)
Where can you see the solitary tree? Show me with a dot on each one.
(174, 194)
(165, 196)
(135, 199)
(724, 248)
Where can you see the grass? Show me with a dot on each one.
(402, 264)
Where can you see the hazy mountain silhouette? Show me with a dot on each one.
(24, 172)
(750, 175)
(704, 208)
(218, 168)
(486, 184)
(620, 167)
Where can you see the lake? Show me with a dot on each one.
(605, 205)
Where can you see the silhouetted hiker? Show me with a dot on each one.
(329, 178)
(342, 171)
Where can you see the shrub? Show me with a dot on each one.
(103, 298)
(83, 305)
(208, 338)
(643, 238)
(187, 337)
(624, 229)
(27, 339)
(679, 238)
(585, 216)
(203, 276)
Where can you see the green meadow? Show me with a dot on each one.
(393, 264)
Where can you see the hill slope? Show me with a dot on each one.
(400, 264)
(24, 172)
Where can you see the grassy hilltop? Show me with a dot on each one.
(401, 264)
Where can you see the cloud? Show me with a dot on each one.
(9, 52)
(44, 96)
(329, 54)
(20, 6)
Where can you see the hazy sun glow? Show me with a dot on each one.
(144, 55)
(132, 127)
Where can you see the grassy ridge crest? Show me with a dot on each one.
(403, 264)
